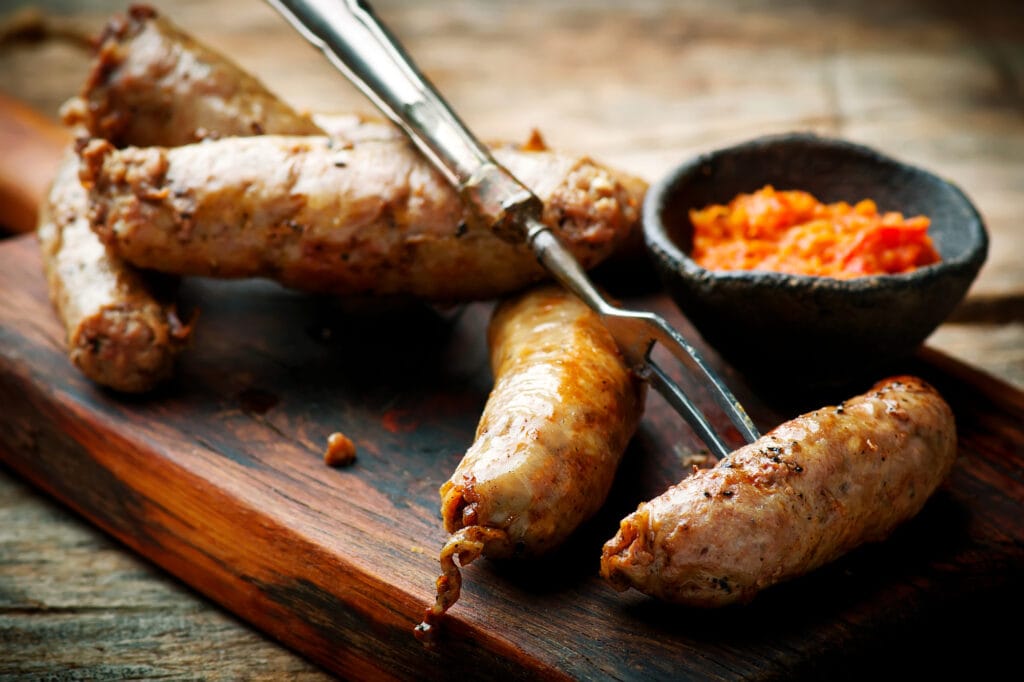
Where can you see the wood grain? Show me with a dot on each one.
(936, 83)
(38, 144)
(641, 86)
(219, 479)
(104, 615)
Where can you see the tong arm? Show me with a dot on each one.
(355, 41)
(636, 334)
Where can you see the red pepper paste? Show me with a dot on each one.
(792, 232)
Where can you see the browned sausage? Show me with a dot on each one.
(150, 83)
(368, 217)
(563, 408)
(121, 332)
(153, 84)
(802, 495)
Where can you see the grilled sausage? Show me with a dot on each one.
(152, 84)
(554, 428)
(149, 84)
(369, 217)
(799, 497)
(121, 331)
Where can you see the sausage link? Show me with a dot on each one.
(121, 332)
(563, 408)
(153, 84)
(149, 84)
(801, 496)
(369, 217)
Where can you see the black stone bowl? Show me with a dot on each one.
(808, 331)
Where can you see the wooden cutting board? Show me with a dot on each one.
(218, 477)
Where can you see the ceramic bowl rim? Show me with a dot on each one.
(658, 239)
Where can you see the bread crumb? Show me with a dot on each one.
(341, 451)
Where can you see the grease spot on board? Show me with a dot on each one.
(399, 421)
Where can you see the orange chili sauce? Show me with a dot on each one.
(792, 232)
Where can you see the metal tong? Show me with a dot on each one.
(359, 45)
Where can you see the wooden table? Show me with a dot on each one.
(640, 86)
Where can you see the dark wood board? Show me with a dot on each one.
(218, 477)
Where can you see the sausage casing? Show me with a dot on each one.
(150, 83)
(153, 84)
(121, 332)
(367, 217)
(563, 408)
(804, 494)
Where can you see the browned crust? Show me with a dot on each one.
(153, 84)
(801, 496)
(150, 83)
(120, 331)
(563, 408)
(366, 218)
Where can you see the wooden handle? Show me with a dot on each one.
(31, 147)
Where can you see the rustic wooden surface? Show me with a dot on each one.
(641, 86)
(218, 477)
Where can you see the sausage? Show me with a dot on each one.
(150, 83)
(801, 496)
(122, 332)
(153, 84)
(367, 217)
(563, 408)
